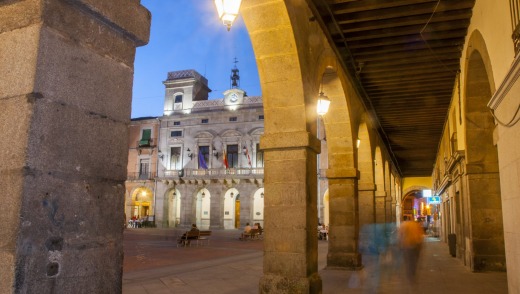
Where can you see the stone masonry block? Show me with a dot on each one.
(290, 119)
(273, 89)
(130, 16)
(279, 41)
(264, 15)
(279, 68)
(285, 217)
(56, 142)
(74, 225)
(12, 183)
(285, 263)
(277, 172)
(75, 24)
(19, 14)
(286, 194)
(18, 53)
(288, 240)
(6, 273)
(14, 125)
(287, 140)
(72, 75)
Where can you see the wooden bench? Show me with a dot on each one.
(252, 235)
(204, 236)
(189, 236)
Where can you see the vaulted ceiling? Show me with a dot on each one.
(404, 57)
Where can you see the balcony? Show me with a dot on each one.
(146, 143)
(216, 173)
(141, 176)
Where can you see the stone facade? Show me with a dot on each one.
(196, 138)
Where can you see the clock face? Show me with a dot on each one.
(233, 97)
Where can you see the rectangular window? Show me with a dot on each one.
(232, 155)
(259, 156)
(178, 99)
(176, 134)
(205, 154)
(175, 158)
(146, 137)
(204, 121)
(261, 117)
(176, 123)
(234, 118)
(144, 169)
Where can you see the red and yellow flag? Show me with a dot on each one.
(224, 158)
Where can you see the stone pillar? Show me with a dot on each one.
(344, 219)
(380, 207)
(65, 95)
(290, 208)
(217, 207)
(487, 233)
(366, 203)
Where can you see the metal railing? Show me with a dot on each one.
(145, 143)
(141, 176)
(215, 172)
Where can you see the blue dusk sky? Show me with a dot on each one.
(187, 34)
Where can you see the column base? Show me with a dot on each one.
(347, 261)
(281, 284)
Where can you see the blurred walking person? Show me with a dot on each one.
(411, 236)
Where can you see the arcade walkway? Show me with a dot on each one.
(153, 264)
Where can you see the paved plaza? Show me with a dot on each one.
(154, 264)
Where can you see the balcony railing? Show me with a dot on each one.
(145, 143)
(140, 176)
(215, 172)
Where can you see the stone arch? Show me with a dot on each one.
(366, 186)
(284, 41)
(172, 208)
(388, 202)
(141, 201)
(230, 198)
(481, 154)
(326, 208)
(202, 205)
(481, 201)
(379, 179)
(258, 207)
(338, 131)
(408, 203)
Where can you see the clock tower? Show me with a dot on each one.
(234, 95)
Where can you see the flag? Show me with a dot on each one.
(248, 158)
(224, 159)
(202, 162)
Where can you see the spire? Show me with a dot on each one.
(235, 77)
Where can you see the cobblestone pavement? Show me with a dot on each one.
(154, 264)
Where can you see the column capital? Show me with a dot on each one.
(289, 140)
(366, 186)
(342, 173)
(127, 19)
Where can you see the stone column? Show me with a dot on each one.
(290, 208)
(380, 207)
(65, 95)
(366, 203)
(217, 207)
(344, 219)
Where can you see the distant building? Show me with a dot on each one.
(142, 167)
(209, 165)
